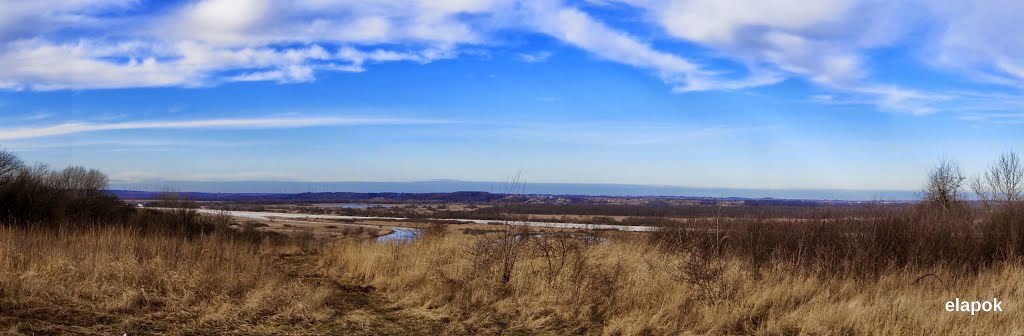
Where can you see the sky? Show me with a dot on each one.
(831, 94)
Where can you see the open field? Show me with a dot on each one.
(630, 287)
(75, 260)
(311, 278)
(113, 280)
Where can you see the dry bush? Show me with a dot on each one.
(918, 236)
(435, 229)
(353, 231)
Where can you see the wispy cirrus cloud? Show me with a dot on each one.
(142, 176)
(609, 133)
(536, 57)
(38, 116)
(239, 123)
(739, 43)
(148, 144)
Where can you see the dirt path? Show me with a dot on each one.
(359, 310)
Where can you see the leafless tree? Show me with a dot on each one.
(944, 183)
(980, 189)
(502, 249)
(96, 180)
(72, 178)
(41, 174)
(1003, 181)
(10, 165)
(79, 178)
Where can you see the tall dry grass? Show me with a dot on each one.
(632, 286)
(115, 279)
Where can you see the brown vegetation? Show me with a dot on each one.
(886, 271)
(726, 283)
(113, 280)
(73, 260)
(76, 261)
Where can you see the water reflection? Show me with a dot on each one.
(399, 235)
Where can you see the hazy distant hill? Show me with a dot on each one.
(445, 186)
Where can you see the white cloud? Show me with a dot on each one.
(982, 38)
(247, 123)
(829, 42)
(581, 30)
(97, 44)
(536, 57)
(214, 41)
(135, 176)
(147, 144)
(210, 42)
(21, 18)
(38, 116)
(822, 41)
(243, 22)
(41, 65)
(290, 74)
(900, 99)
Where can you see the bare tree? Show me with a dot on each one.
(944, 183)
(1003, 182)
(980, 189)
(95, 180)
(41, 174)
(10, 165)
(72, 178)
(502, 249)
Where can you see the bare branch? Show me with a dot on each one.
(10, 165)
(944, 183)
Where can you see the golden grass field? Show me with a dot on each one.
(113, 280)
(628, 287)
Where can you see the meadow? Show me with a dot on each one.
(888, 274)
(74, 260)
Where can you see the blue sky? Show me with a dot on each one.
(703, 93)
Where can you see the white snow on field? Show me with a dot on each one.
(268, 215)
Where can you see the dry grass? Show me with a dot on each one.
(630, 286)
(114, 280)
(751, 276)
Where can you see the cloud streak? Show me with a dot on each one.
(732, 44)
(242, 123)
